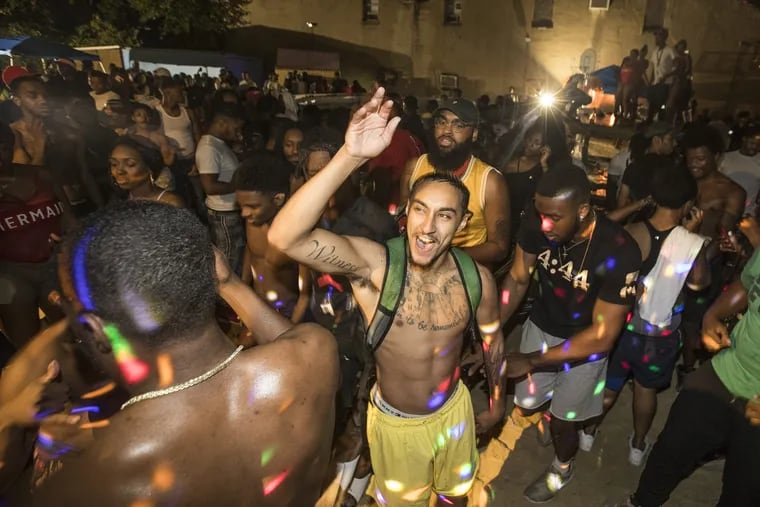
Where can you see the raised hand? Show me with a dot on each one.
(370, 130)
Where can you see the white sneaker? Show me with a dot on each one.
(586, 441)
(636, 456)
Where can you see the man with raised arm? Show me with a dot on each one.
(420, 422)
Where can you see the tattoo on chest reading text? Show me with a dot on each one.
(326, 254)
(436, 304)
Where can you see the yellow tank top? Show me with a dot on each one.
(474, 179)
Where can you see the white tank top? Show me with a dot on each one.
(180, 129)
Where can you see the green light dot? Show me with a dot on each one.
(654, 368)
(571, 415)
(599, 388)
(266, 455)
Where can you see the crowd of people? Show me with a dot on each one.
(665, 81)
(365, 253)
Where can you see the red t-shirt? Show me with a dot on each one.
(404, 147)
(25, 227)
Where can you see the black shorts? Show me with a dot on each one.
(696, 303)
(650, 359)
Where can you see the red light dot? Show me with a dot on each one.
(133, 370)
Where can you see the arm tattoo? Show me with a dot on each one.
(326, 254)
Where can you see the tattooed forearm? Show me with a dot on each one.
(326, 254)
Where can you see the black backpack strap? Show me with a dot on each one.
(390, 295)
(473, 285)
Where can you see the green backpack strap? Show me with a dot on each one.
(473, 285)
(393, 284)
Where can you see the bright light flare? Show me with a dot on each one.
(546, 99)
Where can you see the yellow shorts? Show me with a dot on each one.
(414, 457)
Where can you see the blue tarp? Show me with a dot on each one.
(609, 78)
(37, 47)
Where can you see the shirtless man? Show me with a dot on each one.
(30, 96)
(418, 394)
(261, 188)
(234, 427)
(722, 201)
(455, 129)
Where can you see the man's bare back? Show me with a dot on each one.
(226, 441)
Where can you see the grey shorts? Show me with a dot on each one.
(576, 392)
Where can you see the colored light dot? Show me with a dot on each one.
(645, 358)
(266, 455)
(441, 441)
(593, 357)
(544, 347)
(559, 292)
(600, 318)
(394, 486)
(576, 315)
(610, 263)
(654, 368)
(629, 327)
(272, 483)
(599, 388)
(436, 400)
(566, 366)
(554, 482)
(571, 415)
(465, 471)
(271, 295)
(456, 431)
(133, 370)
(505, 297)
(625, 365)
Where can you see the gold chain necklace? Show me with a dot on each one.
(184, 385)
(585, 253)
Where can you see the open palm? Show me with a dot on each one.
(370, 131)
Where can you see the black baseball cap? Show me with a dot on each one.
(466, 110)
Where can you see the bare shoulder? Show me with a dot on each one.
(173, 200)
(304, 351)
(635, 230)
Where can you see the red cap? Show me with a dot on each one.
(14, 72)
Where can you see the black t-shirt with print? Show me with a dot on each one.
(570, 286)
